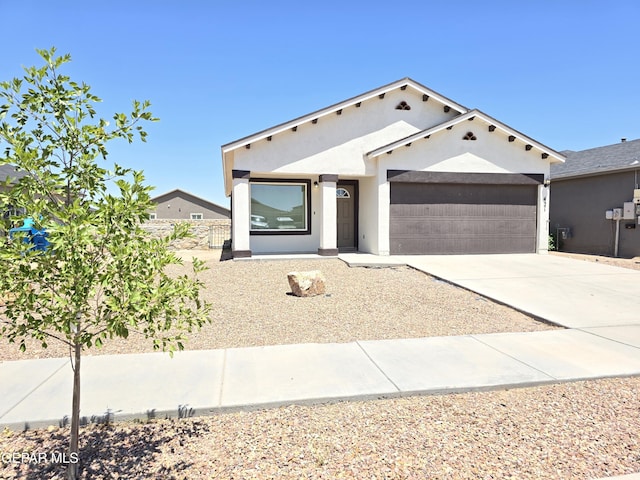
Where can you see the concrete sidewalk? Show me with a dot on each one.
(37, 393)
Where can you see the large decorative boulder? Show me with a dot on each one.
(306, 284)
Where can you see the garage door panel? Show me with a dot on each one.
(470, 194)
(458, 246)
(461, 226)
(436, 227)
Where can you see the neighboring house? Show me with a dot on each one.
(397, 170)
(11, 172)
(590, 184)
(180, 205)
(209, 223)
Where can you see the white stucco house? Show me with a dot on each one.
(397, 170)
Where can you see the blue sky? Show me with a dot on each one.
(562, 72)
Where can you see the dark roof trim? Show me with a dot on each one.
(413, 176)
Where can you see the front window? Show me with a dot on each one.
(280, 207)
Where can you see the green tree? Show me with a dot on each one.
(102, 276)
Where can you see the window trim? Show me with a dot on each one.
(279, 181)
(153, 216)
(192, 214)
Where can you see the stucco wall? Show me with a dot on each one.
(337, 143)
(368, 215)
(580, 204)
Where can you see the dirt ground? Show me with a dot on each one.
(633, 263)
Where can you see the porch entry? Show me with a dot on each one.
(347, 215)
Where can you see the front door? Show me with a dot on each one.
(346, 198)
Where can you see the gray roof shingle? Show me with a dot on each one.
(619, 156)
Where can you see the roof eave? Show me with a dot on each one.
(571, 176)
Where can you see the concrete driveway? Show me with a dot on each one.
(571, 293)
(568, 292)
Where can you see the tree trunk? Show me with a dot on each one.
(72, 466)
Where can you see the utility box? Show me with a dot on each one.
(617, 214)
(563, 233)
(636, 196)
(628, 211)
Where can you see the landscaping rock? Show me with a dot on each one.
(306, 284)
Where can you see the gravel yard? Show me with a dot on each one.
(252, 308)
(564, 431)
(568, 431)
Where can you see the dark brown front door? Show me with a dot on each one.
(346, 196)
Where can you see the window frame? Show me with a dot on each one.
(192, 214)
(153, 216)
(342, 189)
(284, 181)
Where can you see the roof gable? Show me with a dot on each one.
(402, 84)
(191, 198)
(609, 158)
(473, 115)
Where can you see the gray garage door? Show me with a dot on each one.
(450, 218)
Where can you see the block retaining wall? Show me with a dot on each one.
(206, 233)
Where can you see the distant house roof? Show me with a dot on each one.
(12, 172)
(192, 198)
(607, 159)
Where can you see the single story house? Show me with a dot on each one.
(180, 205)
(596, 200)
(397, 170)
